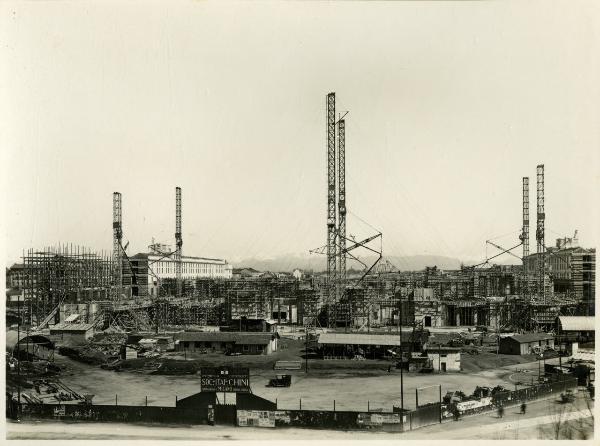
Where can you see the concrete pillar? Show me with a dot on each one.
(475, 317)
(457, 312)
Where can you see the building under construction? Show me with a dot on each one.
(62, 275)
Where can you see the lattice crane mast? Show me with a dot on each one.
(539, 233)
(331, 206)
(178, 240)
(117, 258)
(341, 285)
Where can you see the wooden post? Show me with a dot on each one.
(175, 400)
(300, 403)
(441, 415)
(116, 400)
(417, 398)
(368, 406)
(275, 403)
(146, 400)
(334, 405)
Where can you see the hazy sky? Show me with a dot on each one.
(451, 104)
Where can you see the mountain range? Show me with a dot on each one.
(317, 263)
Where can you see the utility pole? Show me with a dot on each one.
(306, 350)
(401, 360)
(18, 359)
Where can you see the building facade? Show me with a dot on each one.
(240, 342)
(444, 359)
(525, 344)
(572, 271)
(15, 276)
(144, 272)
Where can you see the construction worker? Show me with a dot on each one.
(500, 411)
(456, 413)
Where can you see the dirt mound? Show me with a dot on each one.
(487, 360)
(84, 354)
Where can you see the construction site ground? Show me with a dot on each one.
(352, 388)
(355, 385)
(289, 350)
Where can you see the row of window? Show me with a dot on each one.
(189, 268)
(222, 345)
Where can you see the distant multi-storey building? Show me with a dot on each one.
(572, 270)
(146, 270)
(15, 276)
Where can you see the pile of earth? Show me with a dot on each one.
(85, 354)
(487, 361)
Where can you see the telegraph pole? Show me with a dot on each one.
(306, 349)
(401, 361)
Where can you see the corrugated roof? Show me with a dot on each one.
(530, 337)
(577, 323)
(224, 336)
(359, 339)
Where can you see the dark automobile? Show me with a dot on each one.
(280, 381)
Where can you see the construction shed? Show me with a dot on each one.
(525, 344)
(576, 328)
(444, 359)
(236, 342)
(73, 332)
(359, 345)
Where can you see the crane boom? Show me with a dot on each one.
(507, 251)
(361, 243)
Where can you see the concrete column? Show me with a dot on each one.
(475, 317)
(457, 312)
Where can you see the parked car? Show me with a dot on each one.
(280, 381)
(567, 397)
